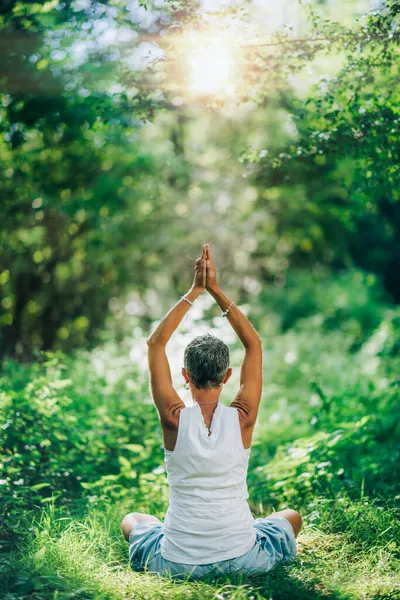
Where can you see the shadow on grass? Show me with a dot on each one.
(281, 583)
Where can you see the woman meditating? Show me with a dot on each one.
(208, 526)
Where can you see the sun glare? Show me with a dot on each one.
(211, 66)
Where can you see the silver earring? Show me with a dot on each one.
(186, 386)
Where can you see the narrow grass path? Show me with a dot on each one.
(81, 559)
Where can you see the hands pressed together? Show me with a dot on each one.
(205, 275)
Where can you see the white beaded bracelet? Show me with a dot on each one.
(187, 300)
(225, 313)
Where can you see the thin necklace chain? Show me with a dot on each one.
(215, 402)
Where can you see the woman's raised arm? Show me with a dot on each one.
(165, 397)
(240, 323)
(248, 398)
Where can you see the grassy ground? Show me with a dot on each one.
(65, 557)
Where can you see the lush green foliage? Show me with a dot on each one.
(331, 187)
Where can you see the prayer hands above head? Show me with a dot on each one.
(205, 276)
(199, 281)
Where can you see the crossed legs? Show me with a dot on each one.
(133, 519)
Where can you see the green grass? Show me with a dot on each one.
(65, 557)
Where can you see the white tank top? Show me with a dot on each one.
(208, 518)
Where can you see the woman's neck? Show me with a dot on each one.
(208, 396)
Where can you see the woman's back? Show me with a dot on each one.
(208, 518)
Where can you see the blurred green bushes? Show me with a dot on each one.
(350, 300)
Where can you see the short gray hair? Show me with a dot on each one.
(206, 361)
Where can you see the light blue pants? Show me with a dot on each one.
(275, 543)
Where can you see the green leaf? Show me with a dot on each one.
(39, 486)
(124, 462)
(133, 447)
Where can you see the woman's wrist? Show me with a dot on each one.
(222, 300)
(213, 289)
(193, 293)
